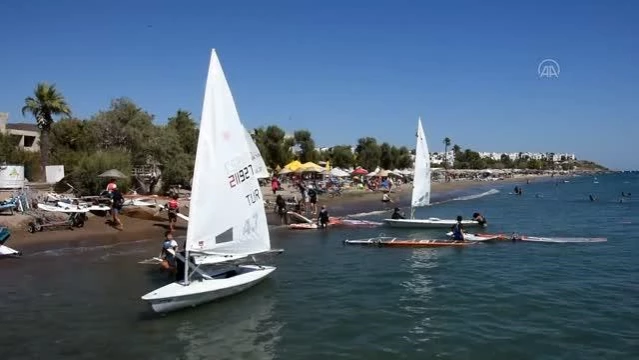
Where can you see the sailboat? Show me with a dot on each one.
(227, 222)
(421, 191)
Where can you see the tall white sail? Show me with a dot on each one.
(226, 211)
(421, 182)
(256, 157)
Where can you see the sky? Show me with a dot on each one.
(349, 69)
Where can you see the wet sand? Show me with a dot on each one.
(147, 223)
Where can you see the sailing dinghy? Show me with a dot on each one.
(421, 191)
(227, 221)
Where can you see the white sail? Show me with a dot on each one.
(421, 181)
(226, 212)
(256, 156)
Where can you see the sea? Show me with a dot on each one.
(327, 300)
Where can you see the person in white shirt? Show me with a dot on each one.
(167, 256)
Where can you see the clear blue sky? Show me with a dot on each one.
(348, 69)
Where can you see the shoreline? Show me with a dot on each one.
(146, 224)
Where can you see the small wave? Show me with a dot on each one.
(476, 196)
(369, 213)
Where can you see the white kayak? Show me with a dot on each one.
(541, 239)
(561, 239)
(478, 237)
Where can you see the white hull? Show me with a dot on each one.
(176, 296)
(7, 251)
(431, 223)
(478, 237)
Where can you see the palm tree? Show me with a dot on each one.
(446, 145)
(45, 103)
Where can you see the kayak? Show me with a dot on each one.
(387, 241)
(355, 222)
(479, 237)
(543, 239)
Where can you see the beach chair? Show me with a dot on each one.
(8, 205)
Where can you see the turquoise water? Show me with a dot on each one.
(327, 301)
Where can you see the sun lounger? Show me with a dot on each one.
(8, 205)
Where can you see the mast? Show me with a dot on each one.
(186, 265)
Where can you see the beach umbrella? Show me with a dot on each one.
(360, 171)
(113, 174)
(383, 173)
(285, 171)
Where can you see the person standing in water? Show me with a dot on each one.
(322, 218)
(386, 200)
(397, 215)
(481, 220)
(280, 208)
(458, 230)
(169, 249)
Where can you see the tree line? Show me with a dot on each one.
(124, 135)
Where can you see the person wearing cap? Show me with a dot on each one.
(458, 230)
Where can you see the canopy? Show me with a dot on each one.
(113, 174)
(383, 173)
(285, 171)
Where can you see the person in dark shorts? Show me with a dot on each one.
(116, 207)
(173, 207)
(280, 208)
(322, 218)
(312, 198)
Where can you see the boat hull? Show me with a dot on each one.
(432, 223)
(176, 296)
(6, 251)
(394, 242)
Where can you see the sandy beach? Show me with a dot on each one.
(143, 223)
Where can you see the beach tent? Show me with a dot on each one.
(293, 165)
(337, 172)
(311, 167)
